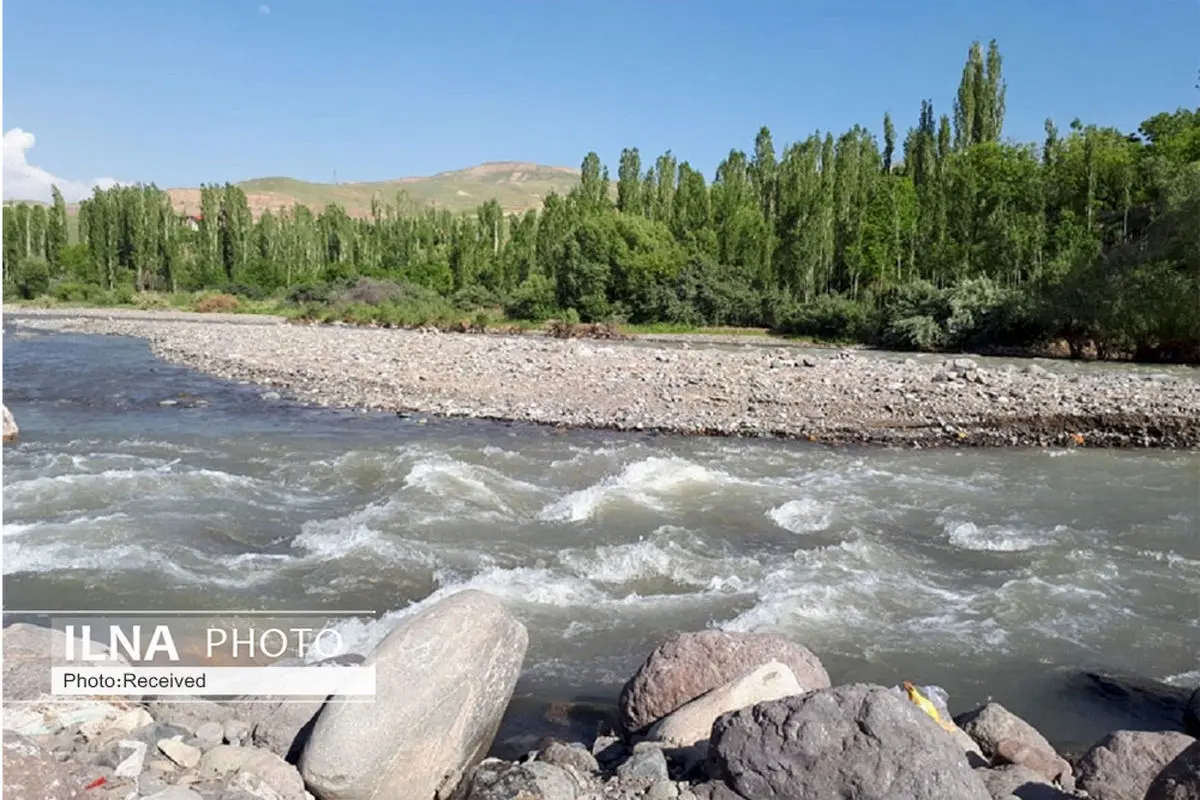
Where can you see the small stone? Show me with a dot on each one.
(236, 731)
(210, 732)
(663, 790)
(134, 760)
(182, 754)
(563, 755)
(131, 720)
(157, 731)
(175, 793)
(647, 763)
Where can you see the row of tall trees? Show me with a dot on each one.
(949, 236)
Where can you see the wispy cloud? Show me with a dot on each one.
(24, 181)
(264, 9)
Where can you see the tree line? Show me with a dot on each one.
(950, 236)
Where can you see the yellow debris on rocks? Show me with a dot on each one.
(922, 702)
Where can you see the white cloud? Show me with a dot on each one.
(264, 9)
(24, 181)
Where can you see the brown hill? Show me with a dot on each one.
(517, 186)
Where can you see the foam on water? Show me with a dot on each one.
(652, 483)
(999, 538)
(802, 516)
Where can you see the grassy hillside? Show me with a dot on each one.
(516, 186)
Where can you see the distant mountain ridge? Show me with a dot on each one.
(517, 185)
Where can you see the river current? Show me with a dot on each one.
(1001, 574)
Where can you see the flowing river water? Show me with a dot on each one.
(992, 573)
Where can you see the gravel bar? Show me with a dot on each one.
(837, 397)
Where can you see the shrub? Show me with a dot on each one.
(370, 292)
(75, 292)
(248, 291)
(831, 318)
(216, 303)
(533, 299)
(470, 298)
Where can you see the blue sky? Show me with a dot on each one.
(180, 92)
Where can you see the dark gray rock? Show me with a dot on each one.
(1122, 765)
(1145, 703)
(689, 664)
(500, 780)
(645, 764)
(856, 742)
(1180, 779)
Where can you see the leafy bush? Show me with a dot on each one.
(217, 303)
(30, 278)
(918, 332)
(470, 298)
(533, 299)
(248, 291)
(310, 293)
(831, 318)
(75, 292)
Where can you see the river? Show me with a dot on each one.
(992, 573)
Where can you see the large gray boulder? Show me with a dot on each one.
(1180, 779)
(690, 664)
(443, 679)
(1122, 765)
(855, 742)
(1007, 739)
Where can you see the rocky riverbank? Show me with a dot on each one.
(707, 716)
(833, 397)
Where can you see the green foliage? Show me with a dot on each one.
(948, 237)
(830, 317)
(534, 299)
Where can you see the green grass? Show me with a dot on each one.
(674, 328)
